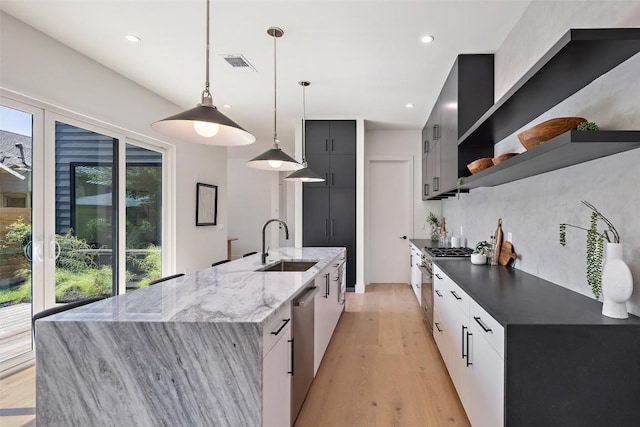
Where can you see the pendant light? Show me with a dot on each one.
(305, 174)
(274, 159)
(204, 124)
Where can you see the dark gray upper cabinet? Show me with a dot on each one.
(330, 136)
(329, 208)
(465, 96)
(338, 170)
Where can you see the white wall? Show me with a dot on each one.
(532, 208)
(37, 66)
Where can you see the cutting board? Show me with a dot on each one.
(498, 245)
(506, 253)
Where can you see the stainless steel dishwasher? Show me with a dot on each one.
(303, 312)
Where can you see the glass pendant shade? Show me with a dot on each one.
(204, 124)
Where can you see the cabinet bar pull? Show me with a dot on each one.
(462, 337)
(438, 293)
(468, 352)
(410, 260)
(482, 324)
(438, 326)
(326, 145)
(292, 358)
(455, 295)
(333, 181)
(436, 183)
(326, 285)
(332, 145)
(438, 276)
(426, 189)
(284, 323)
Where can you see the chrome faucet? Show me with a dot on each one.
(264, 228)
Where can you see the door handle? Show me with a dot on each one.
(54, 249)
(463, 337)
(292, 358)
(27, 250)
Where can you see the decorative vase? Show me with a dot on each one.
(435, 233)
(617, 283)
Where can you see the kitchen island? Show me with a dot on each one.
(188, 351)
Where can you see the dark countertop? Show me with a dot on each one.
(514, 297)
(422, 243)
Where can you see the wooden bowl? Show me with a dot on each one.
(547, 130)
(480, 164)
(501, 158)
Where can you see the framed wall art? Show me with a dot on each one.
(206, 204)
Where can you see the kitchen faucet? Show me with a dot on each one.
(264, 228)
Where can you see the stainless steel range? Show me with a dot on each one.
(427, 276)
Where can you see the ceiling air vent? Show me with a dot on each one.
(239, 62)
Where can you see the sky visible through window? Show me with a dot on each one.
(15, 121)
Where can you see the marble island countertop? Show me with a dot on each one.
(231, 292)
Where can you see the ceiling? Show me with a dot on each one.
(364, 59)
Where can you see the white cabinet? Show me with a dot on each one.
(328, 308)
(472, 345)
(276, 371)
(415, 258)
(486, 382)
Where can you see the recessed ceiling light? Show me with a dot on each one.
(427, 39)
(410, 105)
(227, 105)
(133, 38)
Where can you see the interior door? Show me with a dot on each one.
(390, 218)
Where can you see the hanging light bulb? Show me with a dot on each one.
(274, 159)
(305, 174)
(206, 129)
(204, 124)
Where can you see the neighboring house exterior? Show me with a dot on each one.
(15, 170)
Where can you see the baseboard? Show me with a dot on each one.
(360, 288)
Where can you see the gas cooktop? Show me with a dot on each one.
(449, 252)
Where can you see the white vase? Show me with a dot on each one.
(617, 283)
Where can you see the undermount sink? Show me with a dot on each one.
(289, 266)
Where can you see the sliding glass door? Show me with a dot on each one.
(81, 216)
(20, 251)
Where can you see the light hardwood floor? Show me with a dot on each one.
(18, 399)
(382, 368)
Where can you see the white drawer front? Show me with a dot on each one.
(490, 329)
(452, 293)
(275, 328)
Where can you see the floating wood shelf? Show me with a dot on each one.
(577, 59)
(568, 149)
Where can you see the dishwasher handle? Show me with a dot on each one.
(306, 298)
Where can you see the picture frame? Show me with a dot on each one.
(206, 204)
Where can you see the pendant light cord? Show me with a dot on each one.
(304, 119)
(207, 99)
(275, 83)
